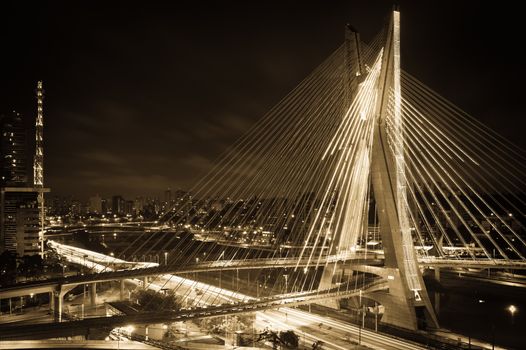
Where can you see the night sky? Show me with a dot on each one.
(144, 96)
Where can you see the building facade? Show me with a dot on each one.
(21, 196)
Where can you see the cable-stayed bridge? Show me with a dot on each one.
(359, 143)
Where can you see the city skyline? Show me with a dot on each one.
(224, 174)
(130, 110)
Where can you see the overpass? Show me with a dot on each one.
(51, 285)
(111, 269)
(82, 327)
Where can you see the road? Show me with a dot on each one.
(335, 334)
(72, 344)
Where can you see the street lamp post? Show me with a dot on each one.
(165, 258)
(363, 316)
(375, 316)
(512, 309)
(359, 334)
(195, 273)
(84, 265)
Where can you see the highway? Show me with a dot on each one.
(333, 333)
(73, 344)
(282, 318)
(109, 268)
(275, 311)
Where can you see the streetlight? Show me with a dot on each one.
(195, 273)
(84, 265)
(512, 309)
(165, 258)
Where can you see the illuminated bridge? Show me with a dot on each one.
(359, 143)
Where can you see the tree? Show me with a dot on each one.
(31, 266)
(289, 339)
(7, 268)
(150, 300)
(270, 336)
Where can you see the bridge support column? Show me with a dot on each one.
(51, 302)
(437, 293)
(144, 282)
(93, 294)
(58, 297)
(121, 290)
(330, 276)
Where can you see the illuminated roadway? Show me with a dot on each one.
(278, 312)
(110, 269)
(73, 344)
(247, 306)
(333, 333)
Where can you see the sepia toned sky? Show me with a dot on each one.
(141, 96)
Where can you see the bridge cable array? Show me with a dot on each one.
(294, 193)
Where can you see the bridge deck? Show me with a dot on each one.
(226, 265)
(46, 330)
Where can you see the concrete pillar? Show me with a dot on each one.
(437, 293)
(144, 282)
(58, 301)
(327, 282)
(51, 302)
(93, 294)
(121, 289)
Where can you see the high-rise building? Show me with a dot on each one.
(168, 196)
(21, 200)
(105, 205)
(138, 205)
(13, 164)
(117, 204)
(20, 220)
(95, 204)
(128, 207)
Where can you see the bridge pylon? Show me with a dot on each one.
(406, 303)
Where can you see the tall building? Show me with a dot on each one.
(105, 205)
(117, 204)
(13, 160)
(21, 200)
(95, 204)
(168, 196)
(20, 220)
(138, 205)
(128, 207)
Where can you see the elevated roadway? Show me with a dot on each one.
(82, 327)
(108, 268)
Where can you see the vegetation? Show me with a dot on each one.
(7, 268)
(289, 339)
(285, 339)
(150, 300)
(13, 266)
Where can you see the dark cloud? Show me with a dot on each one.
(143, 96)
